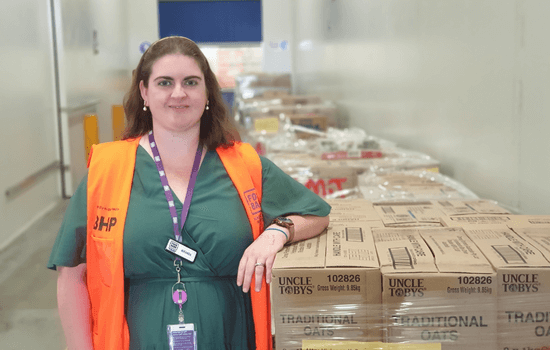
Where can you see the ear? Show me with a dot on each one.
(143, 90)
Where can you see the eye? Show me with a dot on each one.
(191, 82)
(164, 83)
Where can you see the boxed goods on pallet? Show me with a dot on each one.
(411, 186)
(255, 113)
(351, 210)
(254, 85)
(328, 287)
(481, 220)
(523, 286)
(299, 100)
(437, 287)
(305, 125)
(454, 207)
(319, 177)
(326, 108)
(529, 221)
(394, 159)
(538, 237)
(324, 180)
(409, 214)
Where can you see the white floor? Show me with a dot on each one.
(28, 304)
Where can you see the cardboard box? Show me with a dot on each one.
(490, 220)
(542, 221)
(267, 124)
(273, 123)
(454, 207)
(327, 109)
(327, 287)
(357, 154)
(301, 100)
(262, 79)
(325, 180)
(411, 186)
(408, 214)
(353, 210)
(523, 289)
(316, 122)
(437, 287)
(538, 237)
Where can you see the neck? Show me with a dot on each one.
(176, 145)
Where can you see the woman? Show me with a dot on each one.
(167, 231)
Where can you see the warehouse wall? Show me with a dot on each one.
(467, 82)
(93, 56)
(89, 71)
(28, 112)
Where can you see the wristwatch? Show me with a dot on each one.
(287, 223)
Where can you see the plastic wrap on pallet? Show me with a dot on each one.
(429, 289)
(352, 138)
(344, 148)
(352, 141)
(321, 288)
(361, 285)
(349, 320)
(243, 108)
(393, 159)
(250, 85)
(272, 145)
(327, 181)
(398, 159)
(325, 108)
(523, 281)
(411, 186)
(355, 345)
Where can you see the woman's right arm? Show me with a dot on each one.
(73, 302)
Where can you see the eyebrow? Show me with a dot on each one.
(170, 78)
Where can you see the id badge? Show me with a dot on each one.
(181, 250)
(182, 336)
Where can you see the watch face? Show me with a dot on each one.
(285, 220)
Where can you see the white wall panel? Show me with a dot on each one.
(534, 107)
(91, 70)
(464, 81)
(28, 114)
(277, 36)
(143, 27)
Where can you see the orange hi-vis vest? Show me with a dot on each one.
(110, 174)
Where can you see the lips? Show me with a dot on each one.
(179, 107)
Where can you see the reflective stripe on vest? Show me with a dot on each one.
(111, 169)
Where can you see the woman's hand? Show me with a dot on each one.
(258, 259)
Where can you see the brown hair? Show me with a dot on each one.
(216, 127)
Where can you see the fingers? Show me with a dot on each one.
(256, 262)
(249, 270)
(259, 269)
(268, 269)
(245, 273)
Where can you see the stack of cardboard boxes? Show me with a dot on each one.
(466, 274)
(437, 287)
(518, 248)
(323, 287)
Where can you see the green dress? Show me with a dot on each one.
(217, 228)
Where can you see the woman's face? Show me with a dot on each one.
(176, 93)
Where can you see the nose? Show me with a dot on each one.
(179, 91)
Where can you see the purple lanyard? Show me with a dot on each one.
(168, 193)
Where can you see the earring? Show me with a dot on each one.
(207, 107)
(144, 108)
